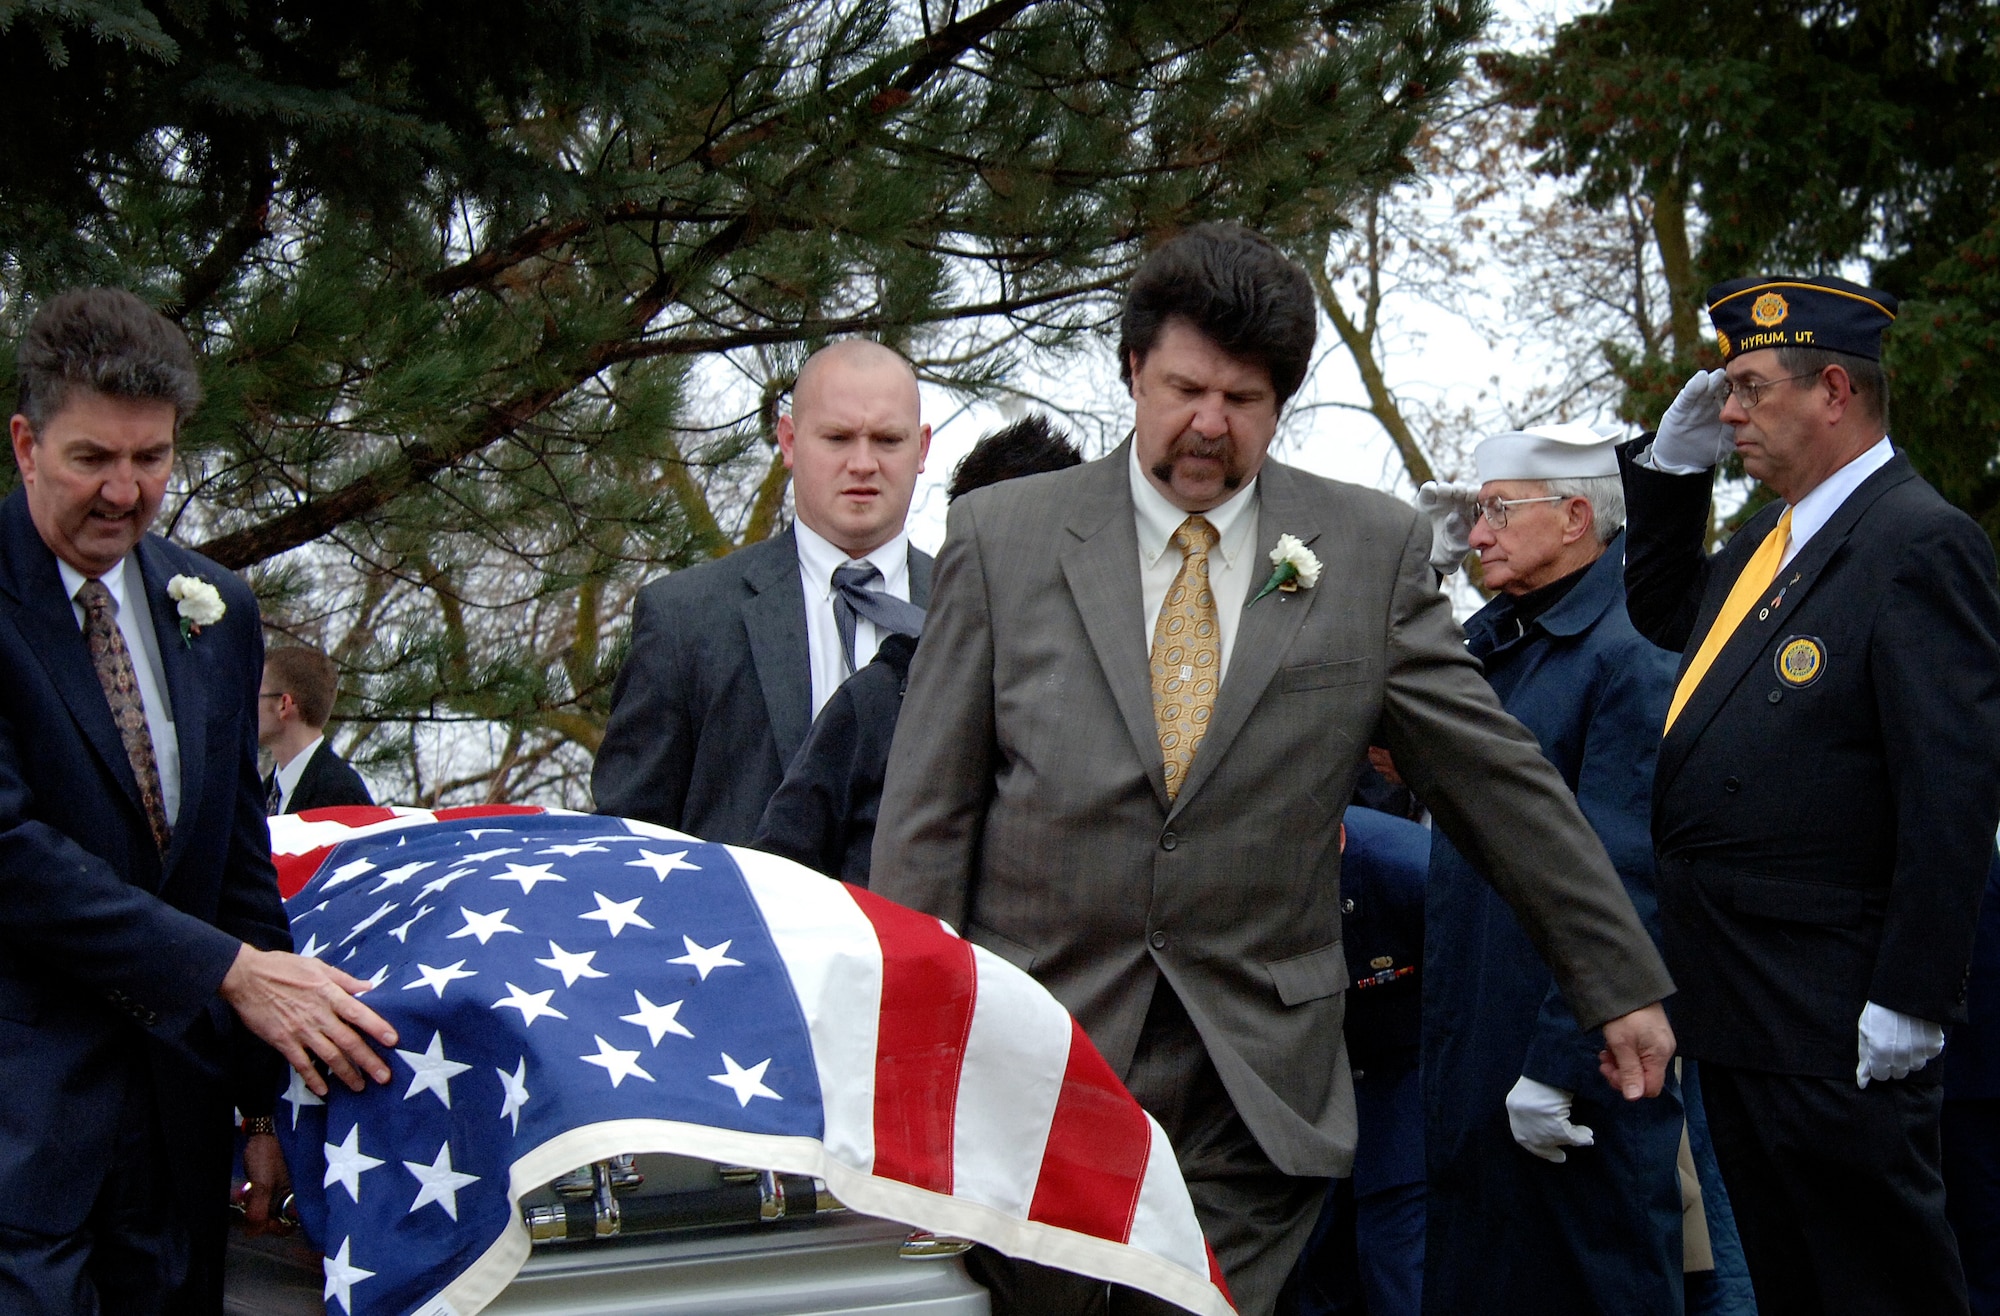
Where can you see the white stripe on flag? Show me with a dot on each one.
(1015, 1053)
(1164, 1222)
(829, 948)
(291, 834)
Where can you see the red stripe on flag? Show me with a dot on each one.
(295, 870)
(1215, 1273)
(349, 815)
(487, 811)
(1099, 1142)
(928, 988)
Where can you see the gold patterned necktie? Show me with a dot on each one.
(1187, 654)
(113, 662)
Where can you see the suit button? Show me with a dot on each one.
(1169, 841)
(1731, 785)
(1347, 906)
(1159, 940)
(1775, 696)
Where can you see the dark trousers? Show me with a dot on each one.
(1255, 1217)
(1837, 1191)
(1972, 1196)
(131, 1255)
(1366, 1255)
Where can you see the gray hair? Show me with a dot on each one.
(1606, 496)
(105, 341)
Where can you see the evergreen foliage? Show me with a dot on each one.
(469, 280)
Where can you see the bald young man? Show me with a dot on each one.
(732, 659)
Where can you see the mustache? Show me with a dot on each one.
(1191, 443)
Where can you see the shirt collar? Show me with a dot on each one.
(819, 558)
(114, 581)
(289, 774)
(1159, 518)
(1813, 511)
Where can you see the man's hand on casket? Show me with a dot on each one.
(306, 1009)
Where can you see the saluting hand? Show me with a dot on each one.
(305, 1009)
(1692, 435)
(1637, 1047)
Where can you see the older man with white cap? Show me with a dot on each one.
(1543, 1196)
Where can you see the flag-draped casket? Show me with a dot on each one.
(568, 987)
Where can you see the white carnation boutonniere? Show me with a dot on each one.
(1294, 567)
(198, 602)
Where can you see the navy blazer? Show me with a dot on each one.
(110, 953)
(328, 781)
(715, 696)
(1824, 827)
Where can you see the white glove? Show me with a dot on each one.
(1692, 437)
(1539, 1116)
(1452, 509)
(1895, 1045)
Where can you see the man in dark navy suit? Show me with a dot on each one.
(293, 704)
(1827, 789)
(140, 927)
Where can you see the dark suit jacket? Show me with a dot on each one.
(111, 954)
(1822, 845)
(1031, 813)
(328, 781)
(715, 697)
(823, 815)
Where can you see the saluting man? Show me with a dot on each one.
(1826, 793)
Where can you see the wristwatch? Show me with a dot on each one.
(259, 1125)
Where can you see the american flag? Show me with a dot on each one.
(568, 987)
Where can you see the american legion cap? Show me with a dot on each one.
(1763, 311)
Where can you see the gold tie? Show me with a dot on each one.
(1758, 573)
(1187, 654)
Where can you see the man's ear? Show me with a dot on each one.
(787, 438)
(1579, 519)
(1133, 361)
(1837, 392)
(23, 435)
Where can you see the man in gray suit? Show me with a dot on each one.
(1157, 839)
(732, 659)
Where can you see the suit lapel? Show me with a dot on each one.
(48, 623)
(1265, 630)
(920, 578)
(1101, 566)
(1772, 613)
(774, 617)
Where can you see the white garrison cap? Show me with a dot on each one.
(1568, 451)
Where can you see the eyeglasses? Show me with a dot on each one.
(1748, 395)
(270, 694)
(1495, 509)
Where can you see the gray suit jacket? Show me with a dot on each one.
(716, 694)
(1026, 803)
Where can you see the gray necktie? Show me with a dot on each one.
(857, 592)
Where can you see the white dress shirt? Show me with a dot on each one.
(1229, 564)
(289, 773)
(1814, 510)
(135, 622)
(818, 560)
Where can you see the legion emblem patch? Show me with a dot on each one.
(1800, 661)
(1769, 311)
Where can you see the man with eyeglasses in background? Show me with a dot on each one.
(1585, 1213)
(1826, 794)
